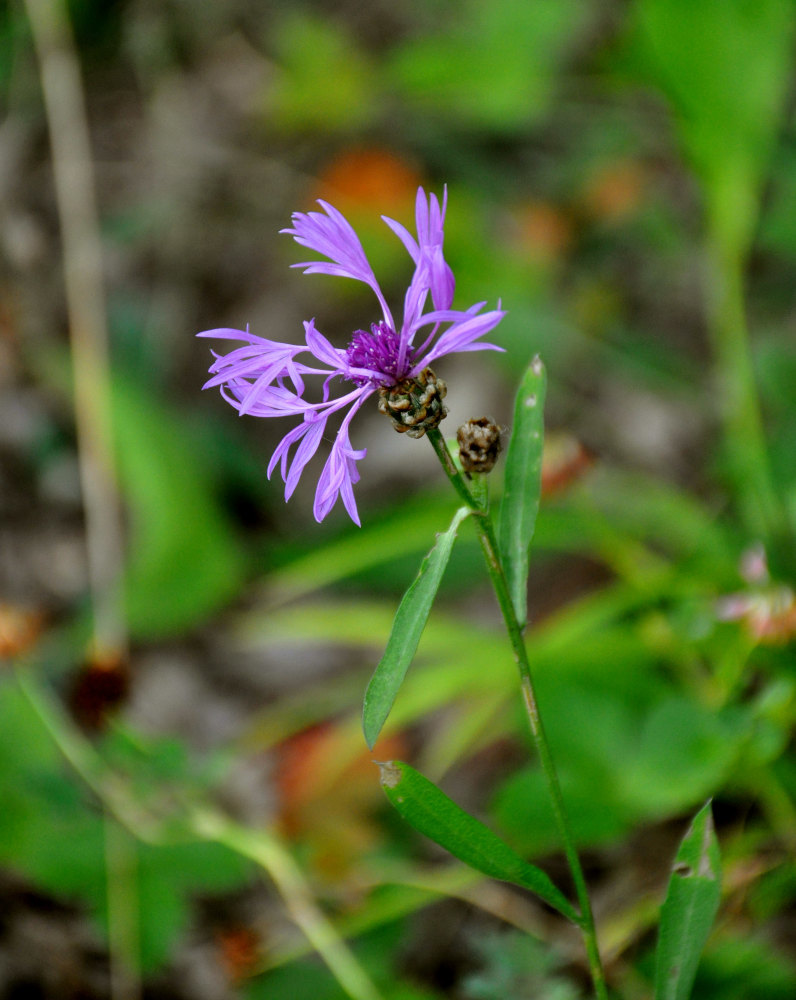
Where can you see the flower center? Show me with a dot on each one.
(378, 351)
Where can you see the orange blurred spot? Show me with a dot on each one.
(545, 232)
(315, 763)
(615, 191)
(20, 629)
(299, 770)
(777, 627)
(240, 952)
(328, 792)
(370, 178)
(564, 461)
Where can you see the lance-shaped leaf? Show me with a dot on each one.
(523, 484)
(692, 899)
(410, 620)
(429, 810)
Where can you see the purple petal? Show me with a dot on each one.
(339, 475)
(333, 236)
(415, 299)
(430, 219)
(421, 217)
(306, 449)
(443, 284)
(405, 237)
(322, 349)
(282, 450)
(462, 335)
(226, 333)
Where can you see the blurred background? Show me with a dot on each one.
(187, 807)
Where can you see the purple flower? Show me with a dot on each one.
(265, 378)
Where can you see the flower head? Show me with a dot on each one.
(265, 378)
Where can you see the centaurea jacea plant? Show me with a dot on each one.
(265, 378)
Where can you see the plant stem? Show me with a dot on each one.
(267, 851)
(121, 867)
(486, 536)
(73, 174)
(739, 404)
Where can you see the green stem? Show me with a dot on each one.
(739, 404)
(121, 866)
(486, 536)
(267, 851)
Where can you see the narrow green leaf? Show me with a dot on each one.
(523, 484)
(692, 899)
(407, 627)
(429, 810)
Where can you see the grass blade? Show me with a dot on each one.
(410, 620)
(523, 484)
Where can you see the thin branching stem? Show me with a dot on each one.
(487, 539)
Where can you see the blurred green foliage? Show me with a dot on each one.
(612, 171)
(185, 559)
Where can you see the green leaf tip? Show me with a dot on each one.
(389, 773)
(692, 901)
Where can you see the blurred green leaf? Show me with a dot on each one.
(167, 877)
(592, 734)
(410, 620)
(310, 980)
(516, 965)
(396, 535)
(740, 966)
(724, 65)
(494, 65)
(426, 808)
(692, 900)
(615, 506)
(52, 831)
(778, 221)
(184, 559)
(523, 484)
(622, 758)
(455, 651)
(43, 819)
(326, 82)
(686, 752)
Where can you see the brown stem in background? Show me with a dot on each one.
(73, 173)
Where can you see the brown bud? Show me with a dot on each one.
(479, 445)
(414, 405)
(100, 687)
